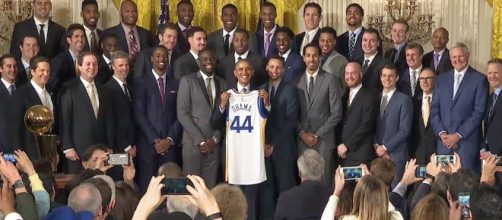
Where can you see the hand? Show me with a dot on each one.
(9, 171)
(224, 100)
(269, 149)
(380, 150)
(7, 199)
(409, 173)
(309, 139)
(339, 182)
(132, 151)
(129, 172)
(24, 163)
(452, 140)
(484, 155)
(457, 165)
(341, 150)
(151, 200)
(365, 169)
(208, 146)
(72, 155)
(102, 163)
(162, 145)
(432, 167)
(201, 196)
(488, 170)
(455, 210)
(264, 95)
(443, 136)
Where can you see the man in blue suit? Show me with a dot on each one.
(265, 35)
(154, 105)
(393, 122)
(349, 44)
(458, 106)
(293, 62)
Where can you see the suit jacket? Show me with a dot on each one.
(215, 42)
(260, 40)
(342, 46)
(87, 44)
(80, 127)
(357, 127)
(460, 114)
(104, 73)
(145, 37)
(444, 63)
(185, 65)
(143, 64)
(371, 78)
(282, 119)
(423, 140)
(335, 64)
(4, 124)
(182, 44)
(63, 69)
(493, 126)
(323, 111)
(122, 115)
(394, 128)
(306, 201)
(294, 67)
(53, 43)
(401, 59)
(299, 40)
(22, 77)
(227, 65)
(404, 84)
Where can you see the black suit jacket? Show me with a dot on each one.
(182, 44)
(143, 64)
(185, 65)
(342, 46)
(145, 37)
(404, 83)
(227, 65)
(87, 44)
(53, 43)
(62, 70)
(423, 140)
(105, 73)
(444, 63)
(122, 113)
(299, 40)
(260, 43)
(22, 76)
(4, 124)
(357, 127)
(493, 126)
(80, 127)
(371, 78)
(401, 59)
(306, 201)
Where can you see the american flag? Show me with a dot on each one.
(164, 12)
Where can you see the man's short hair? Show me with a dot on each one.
(492, 61)
(38, 59)
(108, 181)
(88, 2)
(170, 169)
(80, 58)
(268, 4)
(231, 201)
(72, 28)
(311, 165)
(415, 45)
(242, 31)
(461, 46)
(285, 30)
(90, 150)
(104, 38)
(195, 29)
(392, 67)
(314, 45)
(21, 42)
(313, 5)
(373, 31)
(118, 54)
(328, 30)
(4, 57)
(383, 169)
(486, 203)
(229, 6)
(184, 2)
(104, 190)
(355, 5)
(276, 57)
(403, 22)
(85, 197)
(167, 26)
(463, 180)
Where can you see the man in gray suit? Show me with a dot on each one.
(320, 108)
(197, 94)
(332, 61)
(220, 41)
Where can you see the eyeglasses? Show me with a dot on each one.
(426, 78)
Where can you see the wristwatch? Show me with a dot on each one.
(18, 184)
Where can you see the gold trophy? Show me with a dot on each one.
(38, 119)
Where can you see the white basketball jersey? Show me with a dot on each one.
(245, 159)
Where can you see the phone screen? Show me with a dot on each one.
(352, 173)
(445, 159)
(10, 157)
(421, 172)
(176, 186)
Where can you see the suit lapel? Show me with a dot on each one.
(32, 95)
(83, 93)
(202, 86)
(463, 83)
(317, 86)
(303, 86)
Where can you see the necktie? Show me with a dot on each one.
(133, 44)
(456, 84)
(366, 65)
(413, 82)
(427, 110)
(238, 58)
(436, 61)
(126, 91)
(244, 90)
(94, 43)
(160, 80)
(267, 43)
(185, 34)
(12, 89)
(352, 44)
(349, 100)
(311, 87)
(92, 95)
(226, 43)
(492, 105)
(28, 72)
(306, 40)
(46, 99)
(169, 55)
(110, 66)
(393, 56)
(383, 105)
(209, 88)
(323, 60)
(41, 34)
(272, 92)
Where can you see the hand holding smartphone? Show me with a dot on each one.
(352, 173)
(176, 186)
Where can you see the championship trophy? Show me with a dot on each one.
(38, 119)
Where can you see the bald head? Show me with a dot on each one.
(353, 74)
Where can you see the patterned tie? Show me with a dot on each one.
(427, 110)
(41, 34)
(92, 95)
(160, 80)
(492, 105)
(133, 44)
(457, 83)
(94, 43)
(393, 56)
(126, 91)
(436, 61)
(267, 42)
(383, 105)
(352, 44)
(185, 36)
(366, 65)
(413, 81)
(209, 88)
(311, 87)
(306, 40)
(226, 43)
(12, 89)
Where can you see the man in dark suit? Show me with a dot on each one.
(63, 65)
(408, 79)
(397, 54)
(90, 16)
(306, 201)
(439, 58)
(331, 61)
(132, 38)
(86, 113)
(349, 43)
(154, 106)
(423, 138)
(109, 44)
(458, 106)
(28, 95)
(372, 61)
(197, 94)
(29, 49)
(240, 44)
(320, 110)
(168, 37)
(312, 15)
(185, 13)
(187, 63)
(357, 127)
(8, 72)
(50, 34)
(294, 66)
(220, 41)
(265, 35)
(394, 121)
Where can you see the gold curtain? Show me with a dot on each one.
(497, 29)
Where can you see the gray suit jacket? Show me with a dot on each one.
(215, 42)
(335, 64)
(185, 65)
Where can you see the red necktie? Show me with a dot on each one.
(133, 44)
(160, 80)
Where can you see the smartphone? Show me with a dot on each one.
(445, 159)
(421, 172)
(463, 200)
(352, 173)
(176, 186)
(118, 159)
(10, 157)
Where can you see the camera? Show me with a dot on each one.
(352, 173)
(421, 172)
(118, 159)
(445, 159)
(176, 186)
